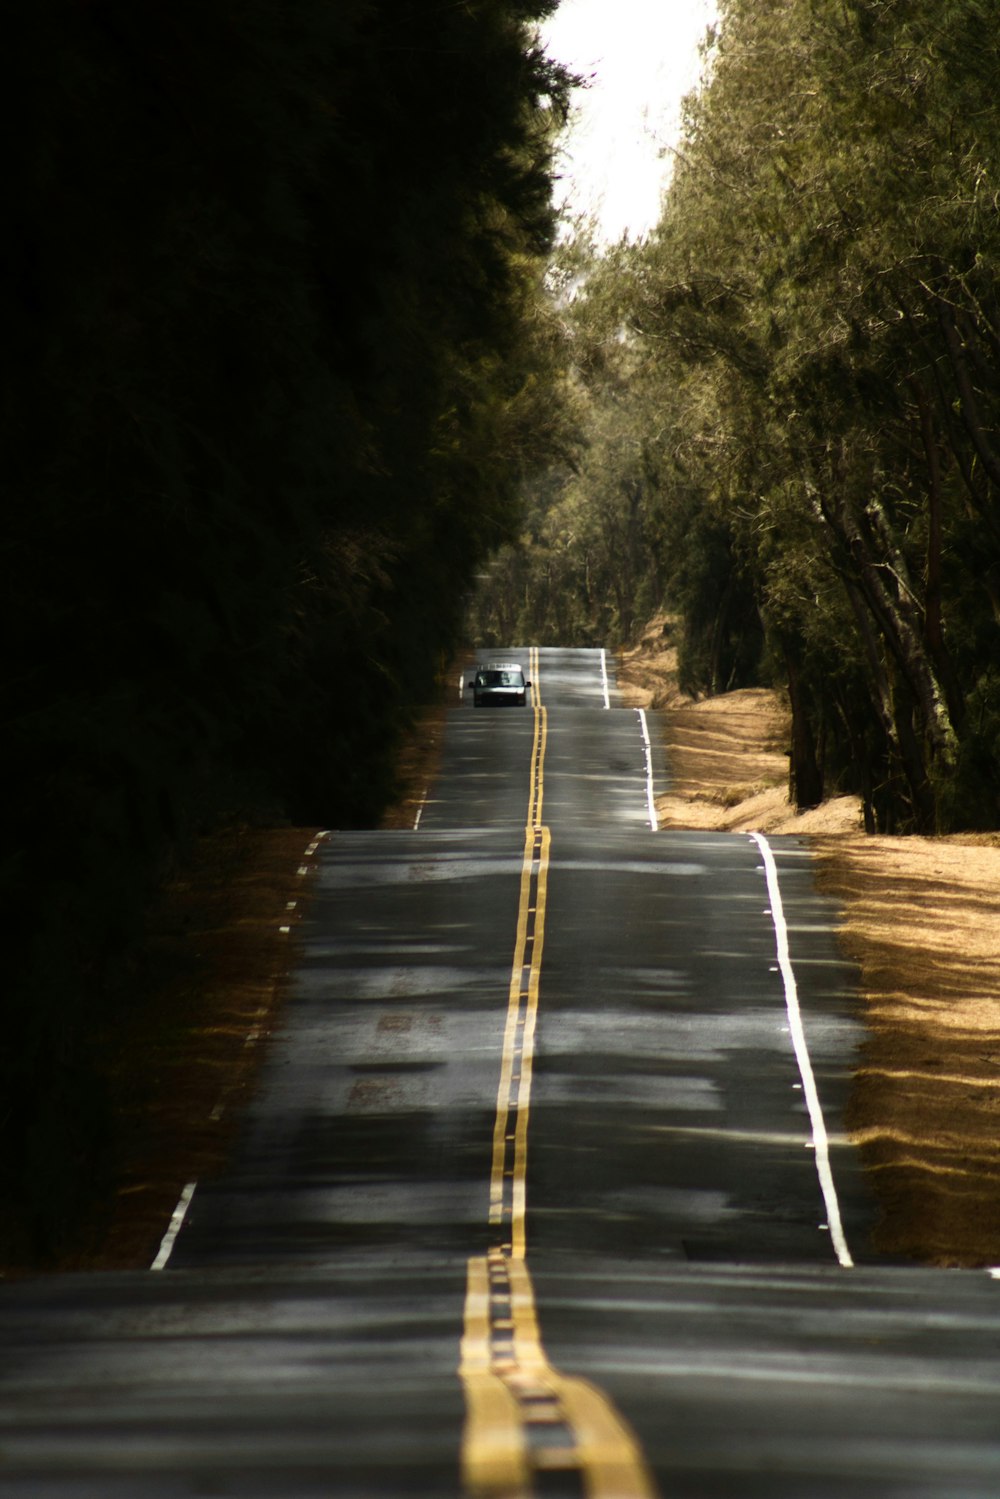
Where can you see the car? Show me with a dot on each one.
(499, 684)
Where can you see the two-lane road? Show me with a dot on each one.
(544, 1191)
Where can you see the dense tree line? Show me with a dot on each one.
(800, 375)
(275, 369)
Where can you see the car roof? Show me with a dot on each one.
(501, 666)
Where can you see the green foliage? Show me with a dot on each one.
(275, 355)
(800, 374)
(584, 570)
(789, 403)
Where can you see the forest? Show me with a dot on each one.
(788, 401)
(277, 365)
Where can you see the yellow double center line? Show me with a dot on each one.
(523, 1416)
(510, 1130)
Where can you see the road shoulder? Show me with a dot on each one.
(920, 918)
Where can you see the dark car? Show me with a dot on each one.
(499, 684)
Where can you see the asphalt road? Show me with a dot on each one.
(545, 1190)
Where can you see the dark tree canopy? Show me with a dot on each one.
(274, 374)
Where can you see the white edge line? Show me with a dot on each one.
(821, 1141)
(604, 677)
(314, 845)
(176, 1224)
(648, 752)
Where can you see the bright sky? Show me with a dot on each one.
(642, 56)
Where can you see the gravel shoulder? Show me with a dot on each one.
(920, 918)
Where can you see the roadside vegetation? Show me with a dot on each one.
(276, 367)
(790, 396)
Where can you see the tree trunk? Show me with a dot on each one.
(805, 783)
(933, 615)
(903, 745)
(861, 757)
(893, 616)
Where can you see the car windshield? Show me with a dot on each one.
(500, 679)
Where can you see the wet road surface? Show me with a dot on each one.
(535, 1195)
